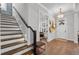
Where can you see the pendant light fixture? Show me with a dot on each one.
(60, 14)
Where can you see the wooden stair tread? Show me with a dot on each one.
(12, 44)
(10, 34)
(28, 52)
(10, 30)
(7, 27)
(9, 24)
(16, 50)
(7, 21)
(11, 39)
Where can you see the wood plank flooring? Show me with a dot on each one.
(61, 46)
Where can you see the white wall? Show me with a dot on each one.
(52, 35)
(72, 19)
(78, 22)
(30, 13)
(22, 10)
(77, 6)
(34, 16)
(70, 25)
(6, 8)
(71, 29)
(3, 6)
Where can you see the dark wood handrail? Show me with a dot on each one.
(23, 19)
(34, 32)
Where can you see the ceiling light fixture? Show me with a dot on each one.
(60, 14)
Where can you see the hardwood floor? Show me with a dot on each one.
(61, 46)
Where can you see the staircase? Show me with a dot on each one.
(12, 39)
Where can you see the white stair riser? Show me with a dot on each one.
(6, 16)
(2, 23)
(23, 51)
(12, 41)
(9, 25)
(11, 36)
(10, 32)
(4, 19)
(13, 47)
(10, 29)
(7, 21)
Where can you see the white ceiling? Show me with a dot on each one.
(54, 7)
